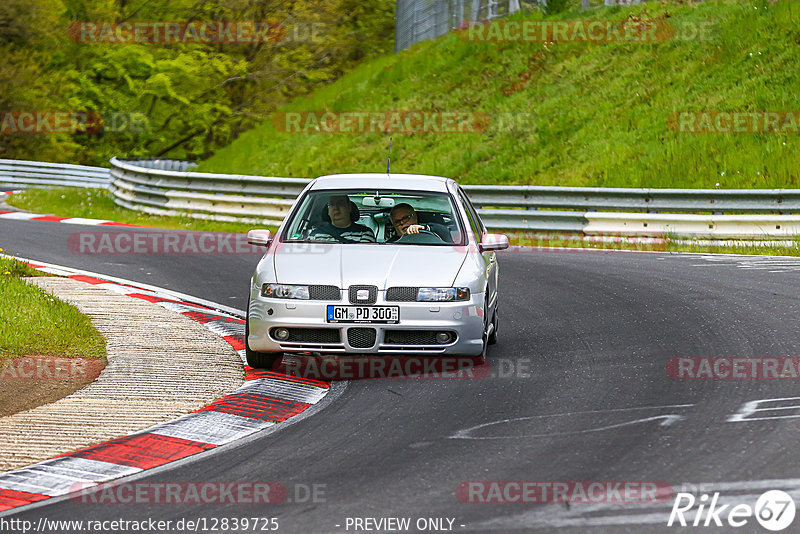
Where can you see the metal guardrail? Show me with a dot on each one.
(164, 187)
(163, 164)
(716, 201)
(20, 173)
(592, 211)
(223, 197)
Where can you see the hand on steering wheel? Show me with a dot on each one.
(423, 234)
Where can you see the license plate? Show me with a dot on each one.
(363, 314)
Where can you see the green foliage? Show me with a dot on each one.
(179, 100)
(556, 6)
(565, 113)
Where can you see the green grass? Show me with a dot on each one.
(570, 114)
(34, 323)
(99, 204)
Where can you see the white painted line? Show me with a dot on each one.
(59, 476)
(283, 389)
(210, 427)
(86, 222)
(19, 215)
(87, 468)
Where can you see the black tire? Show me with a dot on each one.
(257, 360)
(496, 323)
(485, 336)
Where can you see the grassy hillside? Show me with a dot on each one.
(566, 113)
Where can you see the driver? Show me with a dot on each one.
(342, 227)
(404, 219)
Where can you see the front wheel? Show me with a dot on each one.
(495, 324)
(257, 360)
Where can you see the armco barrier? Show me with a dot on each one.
(165, 187)
(225, 197)
(521, 208)
(647, 200)
(16, 173)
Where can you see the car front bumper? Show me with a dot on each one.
(464, 319)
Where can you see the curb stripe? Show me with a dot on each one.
(202, 317)
(143, 450)
(211, 427)
(59, 476)
(224, 329)
(255, 374)
(87, 279)
(11, 499)
(112, 223)
(157, 300)
(18, 215)
(51, 218)
(235, 341)
(256, 407)
(284, 389)
(13, 214)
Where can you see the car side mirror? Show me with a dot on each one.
(493, 242)
(259, 237)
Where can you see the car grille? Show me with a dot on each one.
(361, 338)
(413, 337)
(311, 335)
(371, 298)
(324, 293)
(402, 294)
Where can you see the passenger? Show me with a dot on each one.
(342, 227)
(405, 221)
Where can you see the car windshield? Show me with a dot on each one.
(370, 216)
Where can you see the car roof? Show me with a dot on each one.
(411, 182)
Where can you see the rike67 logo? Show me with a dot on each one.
(774, 510)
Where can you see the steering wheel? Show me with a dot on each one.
(424, 237)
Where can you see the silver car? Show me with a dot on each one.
(380, 264)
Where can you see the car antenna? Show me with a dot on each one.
(389, 162)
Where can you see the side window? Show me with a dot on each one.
(472, 217)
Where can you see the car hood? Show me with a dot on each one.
(380, 265)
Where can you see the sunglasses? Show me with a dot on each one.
(404, 219)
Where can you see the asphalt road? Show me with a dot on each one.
(578, 392)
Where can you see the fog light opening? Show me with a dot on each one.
(281, 334)
(444, 337)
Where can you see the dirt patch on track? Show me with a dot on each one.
(29, 382)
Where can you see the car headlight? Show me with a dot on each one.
(442, 294)
(284, 291)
